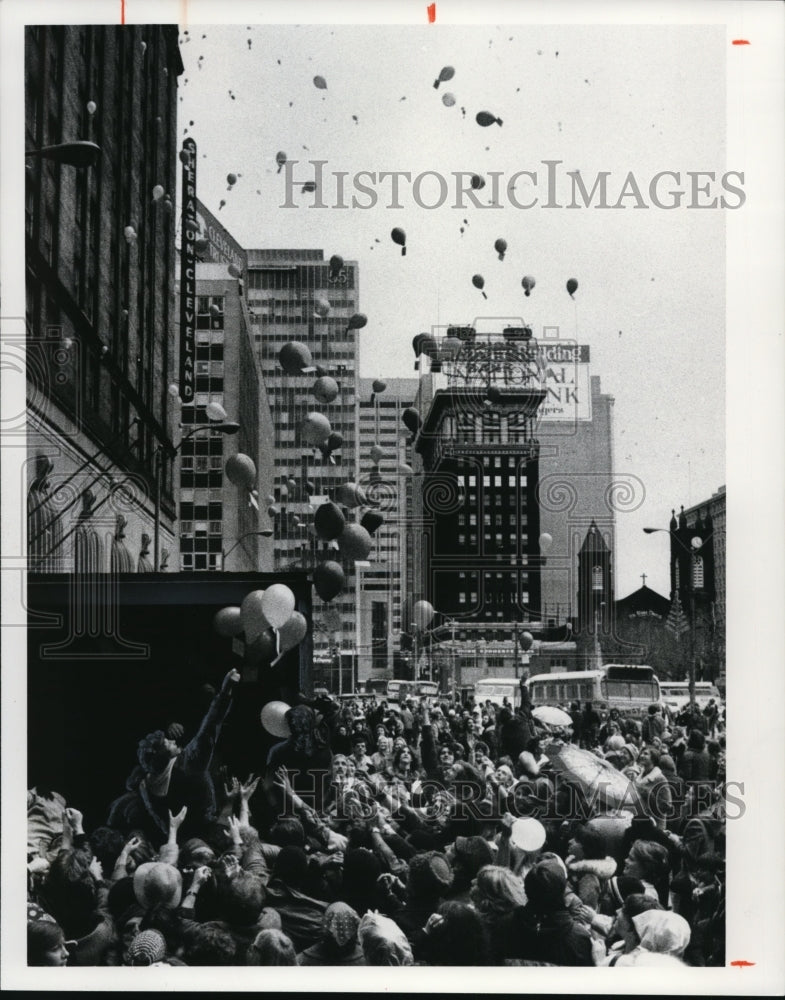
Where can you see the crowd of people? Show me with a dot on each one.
(434, 832)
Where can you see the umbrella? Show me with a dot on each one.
(551, 716)
(597, 779)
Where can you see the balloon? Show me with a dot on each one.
(399, 236)
(234, 271)
(479, 282)
(158, 192)
(411, 419)
(446, 74)
(334, 441)
(377, 454)
(371, 520)
(200, 245)
(263, 649)
(329, 521)
(320, 371)
(546, 541)
(292, 632)
(357, 322)
(228, 622)
(215, 411)
(280, 159)
(320, 83)
(355, 542)
(500, 246)
(174, 390)
(328, 580)
(528, 283)
(572, 286)
(325, 389)
(477, 182)
(273, 510)
(130, 234)
(526, 640)
(405, 469)
(231, 179)
(422, 613)
(274, 719)
(378, 385)
(292, 484)
(221, 204)
(251, 615)
(336, 265)
(278, 604)
(92, 107)
(315, 428)
(240, 470)
(215, 311)
(348, 495)
(485, 118)
(184, 156)
(321, 307)
(293, 357)
(448, 100)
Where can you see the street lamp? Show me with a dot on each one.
(76, 154)
(696, 544)
(264, 532)
(225, 427)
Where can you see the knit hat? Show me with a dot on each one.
(156, 883)
(632, 750)
(474, 852)
(429, 874)
(545, 885)
(615, 742)
(147, 948)
(36, 913)
(340, 923)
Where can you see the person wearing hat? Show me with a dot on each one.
(338, 944)
(147, 948)
(46, 944)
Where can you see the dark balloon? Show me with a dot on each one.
(336, 265)
(262, 650)
(293, 357)
(572, 286)
(329, 521)
(485, 118)
(378, 385)
(477, 182)
(500, 246)
(357, 322)
(399, 236)
(411, 419)
(479, 282)
(334, 441)
(371, 520)
(328, 580)
(447, 73)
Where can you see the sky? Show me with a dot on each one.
(619, 99)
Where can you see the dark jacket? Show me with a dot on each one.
(552, 937)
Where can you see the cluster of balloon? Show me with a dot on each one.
(479, 282)
(277, 605)
(328, 579)
(315, 428)
(398, 236)
(448, 100)
(92, 107)
(158, 192)
(228, 622)
(527, 283)
(320, 83)
(377, 454)
(231, 180)
(500, 246)
(357, 322)
(130, 234)
(274, 719)
(280, 159)
(526, 640)
(321, 308)
(477, 182)
(350, 495)
(572, 287)
(240, 470)
(485, 118)
(371, 520)
(446, 74)
(294, 356)
(377, 387)
(546, 541)
(325, 389)
(422, 614)
(333, 443)
(336, 265)
(355, 542)
(328, 521)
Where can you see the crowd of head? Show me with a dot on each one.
(425, 833)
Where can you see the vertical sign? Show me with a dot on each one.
(188, 273)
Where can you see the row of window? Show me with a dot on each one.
(498, 539)
(498, 520)
(188, 529)
(207, 561)
(201, 463)
(511, 595)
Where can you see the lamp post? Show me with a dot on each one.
(696, 544)
(264, 533)
(80, 153)
(225, 427)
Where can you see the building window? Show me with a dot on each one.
(186, 562)
(596, 578)
(697, 572)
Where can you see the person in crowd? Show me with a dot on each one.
(695, 763)
(46, 945)
(271, 947)
(649, 862)
(339, 944)
(456, 935)
(383, 942)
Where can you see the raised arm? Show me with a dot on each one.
(198, 753)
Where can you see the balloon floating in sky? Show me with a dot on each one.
(485, 118)
(329, 579)
(130, 234)
(231, 179)
(158, 192)
(349, 495)
(294, 356)
(253, 621)
(378, 386)
(215, 311)
(215, 411)
(446, 74)
(411, 419)
(479, 282)
(274, 719)
(328, 521)
(546, 541)
(240, 470)
(221, 204)
(227, 622)
(92, 107)
(357, 322)
(422, 614)
(321, 308)
(325, 389)
(477, 182)
(448, 100)
(174, 390)
(500, 246)
(336, 265)
(371, 520)
(201, 245)
(278, 604)
(280, 159)
(355, 542)
(572, 287)
(292, 632)
(320, 83)
(399, 236)
(526, 640)
(528, 283)
(316, 428)
(261, 651)
(234, 271)
(377, 454)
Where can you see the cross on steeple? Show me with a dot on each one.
(643, 577)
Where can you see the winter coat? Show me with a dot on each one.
(589, 878)
(552, 937)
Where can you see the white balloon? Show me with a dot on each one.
(215, 411)
(278, 604)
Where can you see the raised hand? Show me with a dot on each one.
(247, 790)
(175, 822)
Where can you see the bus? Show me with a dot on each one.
(496, 689)
(628, 688)
(676, 694)
(401, 690)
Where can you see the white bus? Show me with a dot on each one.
(496, 689)
(629, 688)
(676, 694)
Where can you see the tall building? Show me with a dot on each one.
(100, 293)
(218, 520)
(283, 287)
(382, 586)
